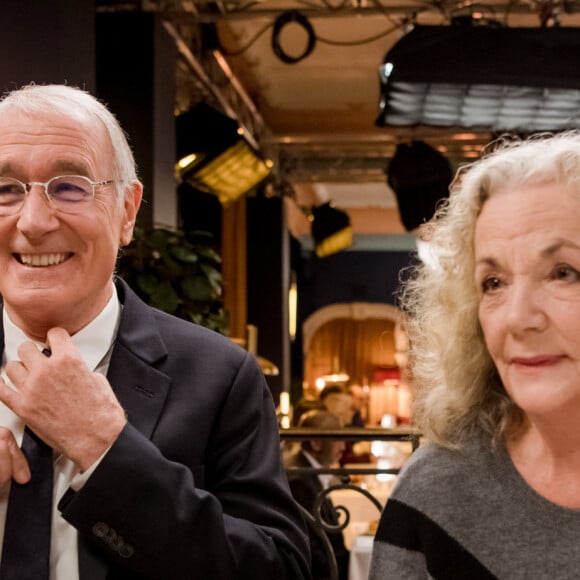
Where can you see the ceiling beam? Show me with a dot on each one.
(232, 11)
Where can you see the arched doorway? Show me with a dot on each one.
(358, 339)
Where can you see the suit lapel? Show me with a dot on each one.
(139, 386)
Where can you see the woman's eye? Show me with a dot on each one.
(490, 284)
(566, 273)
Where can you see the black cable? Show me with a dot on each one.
(394, 28)
(281, 21)
(300, 19)
(248, 44)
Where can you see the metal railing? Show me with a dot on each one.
(318, 526)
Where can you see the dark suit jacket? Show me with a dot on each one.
(305, 489)
(193, 488)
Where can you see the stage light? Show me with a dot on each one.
(420, 176)
(214, 156)
(483, 77)
(331, 229)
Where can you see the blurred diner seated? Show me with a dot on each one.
(360, 402)
(338, 401)
(306, 488)
(304, 405)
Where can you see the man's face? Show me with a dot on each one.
(328, 452)
(340, 404)
(56, 268)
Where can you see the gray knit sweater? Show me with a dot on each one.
(469, 515)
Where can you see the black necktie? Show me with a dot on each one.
(26, 549)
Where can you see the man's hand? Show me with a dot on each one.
(71, 408)
(13, 464)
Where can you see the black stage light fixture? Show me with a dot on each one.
(483, 77)
(420, 177)
(331, 229)
(214, 156)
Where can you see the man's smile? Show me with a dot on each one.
(42, 260)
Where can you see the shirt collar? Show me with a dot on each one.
(324, 478)
(93, 341)
(311, 459)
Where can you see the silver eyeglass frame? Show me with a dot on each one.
(28, 186)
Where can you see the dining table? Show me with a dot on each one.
(363, 518)
(360, 557)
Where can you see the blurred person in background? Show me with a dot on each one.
(360, 401)
(306, 489)
(339, 401)
(494, 336)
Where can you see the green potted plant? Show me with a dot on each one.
(176, 273)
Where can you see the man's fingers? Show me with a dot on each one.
(13, 463)
(58, 339)
(8, 396)
(20, 470)
(17, 373)
(29, 354)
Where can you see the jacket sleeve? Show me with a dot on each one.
(230, 517)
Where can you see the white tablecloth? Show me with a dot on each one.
(362, 513)
(360, 558)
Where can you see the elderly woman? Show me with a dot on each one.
(494, 330)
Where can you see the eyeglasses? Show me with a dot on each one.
(66, 193)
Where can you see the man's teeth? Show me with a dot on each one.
(42, 259)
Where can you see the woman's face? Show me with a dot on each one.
(527, 252)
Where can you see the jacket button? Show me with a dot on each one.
(100, 529)
(126, 551)
(111, 538)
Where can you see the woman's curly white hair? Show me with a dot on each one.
(456, 384)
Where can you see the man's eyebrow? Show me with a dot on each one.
(58, 167)
(7, 168)
(68, 167)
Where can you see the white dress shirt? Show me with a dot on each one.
(324, 478)
(94, 343)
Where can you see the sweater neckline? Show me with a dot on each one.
(518, 490)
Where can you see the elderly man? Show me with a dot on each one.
(162, 435)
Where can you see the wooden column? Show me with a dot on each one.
(234, 266)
